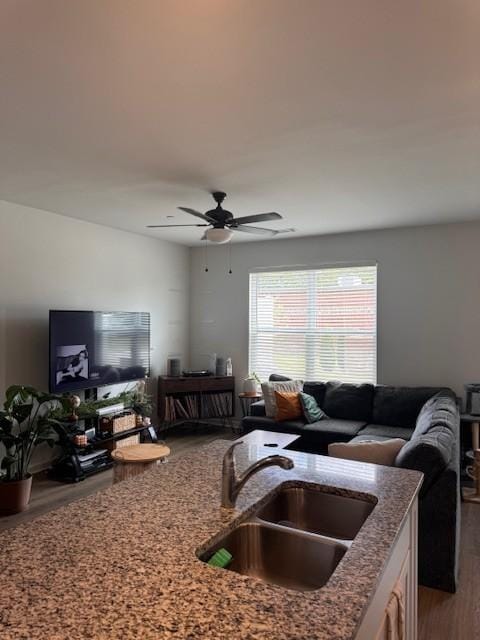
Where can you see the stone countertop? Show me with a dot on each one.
(122, 564)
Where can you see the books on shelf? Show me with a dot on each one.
(190, 407)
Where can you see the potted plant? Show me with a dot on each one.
(25, 422)
(251, 384)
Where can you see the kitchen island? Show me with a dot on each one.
(123, 563)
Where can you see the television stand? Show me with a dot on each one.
(80, 462)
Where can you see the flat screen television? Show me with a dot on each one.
(96, 348)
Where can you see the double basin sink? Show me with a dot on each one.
(297, 538)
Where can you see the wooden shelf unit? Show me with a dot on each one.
(197, 396)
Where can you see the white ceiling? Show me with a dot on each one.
(339, 114)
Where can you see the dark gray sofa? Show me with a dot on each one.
(429, 419)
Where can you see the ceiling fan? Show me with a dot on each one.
(222, 223)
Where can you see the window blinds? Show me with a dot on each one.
(314, 324)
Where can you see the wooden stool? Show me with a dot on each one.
(136, 459)
(473, 495)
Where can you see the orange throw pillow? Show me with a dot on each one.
(288, 405)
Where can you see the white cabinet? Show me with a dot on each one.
(399, 599)
(399, 576)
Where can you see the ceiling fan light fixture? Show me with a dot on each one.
(219, 236)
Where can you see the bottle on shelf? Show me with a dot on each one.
(212, 363)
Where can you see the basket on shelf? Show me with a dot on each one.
(124, 422)
(118, 423)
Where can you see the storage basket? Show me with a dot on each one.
(123, 422)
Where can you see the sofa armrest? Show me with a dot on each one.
(258, 408)
(439, 533)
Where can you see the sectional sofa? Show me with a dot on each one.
(428, 417)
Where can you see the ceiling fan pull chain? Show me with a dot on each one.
(206, 256)
(230, 256)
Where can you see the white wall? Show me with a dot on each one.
(49, 261)
(428, 298)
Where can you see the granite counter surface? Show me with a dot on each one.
(122, 564)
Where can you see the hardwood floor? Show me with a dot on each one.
(442, 616)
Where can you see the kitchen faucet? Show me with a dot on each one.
(231, 485)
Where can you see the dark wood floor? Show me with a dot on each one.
(442, 616)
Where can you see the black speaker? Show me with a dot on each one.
(174, 367)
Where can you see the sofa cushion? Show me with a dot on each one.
(257, 408)
(375, 451)
(348, 401)
(277, 377)
(386, 431)
(269, 388)
(441, 409)
(249, 423)
(310, 409)
(400, 406)
(372, 438)
(429, 453)
(333, 427)
(317, 390)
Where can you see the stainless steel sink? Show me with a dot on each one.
(290, 559)
(318, 512)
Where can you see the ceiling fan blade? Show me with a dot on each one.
(159, 226)
(290, 230)
(259, 217)
(257, 230)
(195, 213)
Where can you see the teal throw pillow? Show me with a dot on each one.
(311, 410)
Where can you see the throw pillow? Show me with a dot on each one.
(268, 391)
(310, 408)
(376, 451)
(288, 405)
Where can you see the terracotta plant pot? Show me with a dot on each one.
(15, 496)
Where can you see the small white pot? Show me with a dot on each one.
(250, 386)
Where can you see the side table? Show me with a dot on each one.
(473, 495)
(137, 458)
(247, 399)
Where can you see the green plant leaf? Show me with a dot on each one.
(10, 394)
(7, 461)
(50, 441)
(6, 423)
(8, 440)
(25, 436)
(21, 411)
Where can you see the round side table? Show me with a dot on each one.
(246, 399)
(136, 459)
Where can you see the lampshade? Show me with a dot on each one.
(220, 236)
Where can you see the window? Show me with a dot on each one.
(315, 324)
